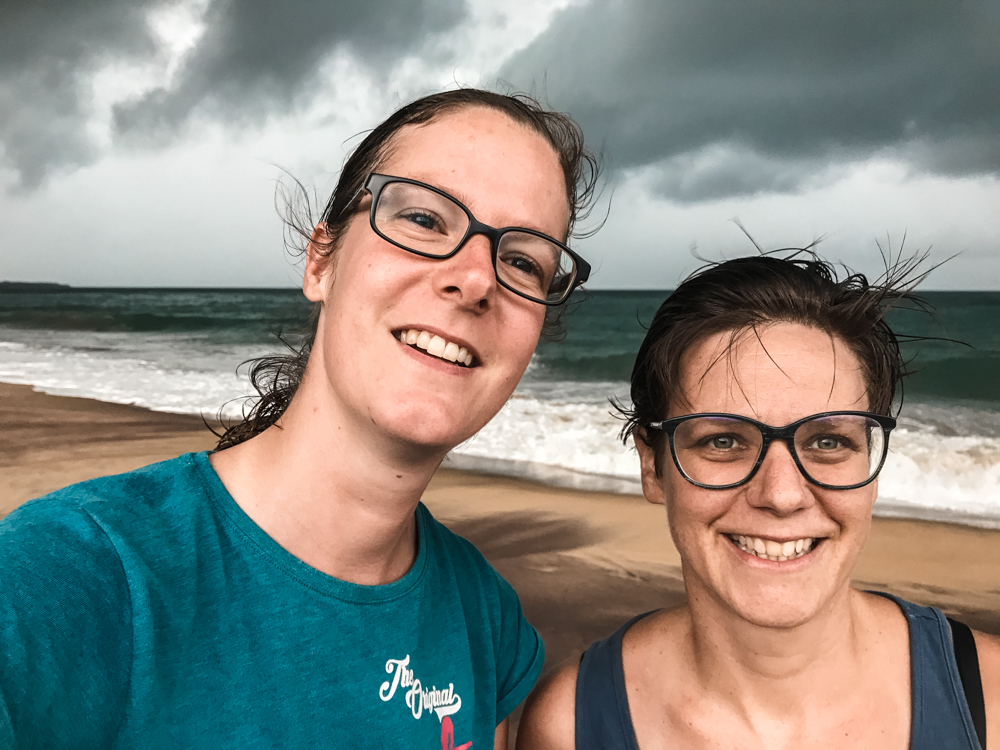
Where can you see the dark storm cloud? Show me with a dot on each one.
(255, 56)
(47, 51)
(731, 98)
(258, 56)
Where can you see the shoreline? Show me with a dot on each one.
(964, 461)
(582, 561)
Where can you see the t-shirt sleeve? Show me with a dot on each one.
(65, 630)
(520, 655)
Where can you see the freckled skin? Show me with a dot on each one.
(792, 372)
(506, 175)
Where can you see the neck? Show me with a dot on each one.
(763, 671)
(330, 492)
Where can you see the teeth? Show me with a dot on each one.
(767, 549)
(437, 346)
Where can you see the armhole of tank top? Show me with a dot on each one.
(615, 692)
(967, 659)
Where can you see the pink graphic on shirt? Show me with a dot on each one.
(448, 736)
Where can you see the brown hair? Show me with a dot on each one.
(276, 377)
(743, 294)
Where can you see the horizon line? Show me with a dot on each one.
(54, 286)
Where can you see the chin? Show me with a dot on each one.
(426, 429)
(764, 608)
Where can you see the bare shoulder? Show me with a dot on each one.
(988, 648)
(549, 718)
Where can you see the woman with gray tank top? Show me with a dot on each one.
(761, 414)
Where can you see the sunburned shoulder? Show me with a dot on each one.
(988, 648)
(549, 718)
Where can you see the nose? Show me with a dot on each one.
(779, 486)
(468, 277)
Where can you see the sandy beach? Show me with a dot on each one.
(582, 562)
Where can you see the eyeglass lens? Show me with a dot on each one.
(838, 450)
(432, 224)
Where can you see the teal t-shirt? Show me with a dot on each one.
(146, 610)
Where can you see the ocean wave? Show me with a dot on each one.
(927, 474)
(944, 460)
(955, 478)
(147, 372)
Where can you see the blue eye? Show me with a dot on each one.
(425, 221)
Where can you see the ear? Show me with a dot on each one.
(318, 265)
(652, 486)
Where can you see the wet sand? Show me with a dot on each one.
(47, 442)
(582, 562)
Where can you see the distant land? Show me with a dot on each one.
(31, 286)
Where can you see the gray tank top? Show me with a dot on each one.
(940, 713)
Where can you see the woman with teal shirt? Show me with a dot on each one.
(289, 590)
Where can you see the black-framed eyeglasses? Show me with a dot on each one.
(836, 450)
(426, 221)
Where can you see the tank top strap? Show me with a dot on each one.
(603, 720)
(940, 711)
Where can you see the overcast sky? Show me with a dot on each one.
(140, 140)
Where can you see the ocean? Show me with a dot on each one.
(178, 350)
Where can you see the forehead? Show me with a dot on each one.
(506, 173)
(776, 373)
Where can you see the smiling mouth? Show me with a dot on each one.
(437, 347)
(767, 549)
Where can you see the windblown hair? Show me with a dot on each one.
(743, 295)
(276, 378)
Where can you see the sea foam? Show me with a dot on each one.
(944, 460)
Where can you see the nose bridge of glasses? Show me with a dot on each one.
(477, 227)
(778, 445)
(472, 269)
(779, 482)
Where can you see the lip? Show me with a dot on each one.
(435, 362)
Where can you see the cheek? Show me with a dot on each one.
(692, 512)
(852, 509)
(519, 332)
(689, 511)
